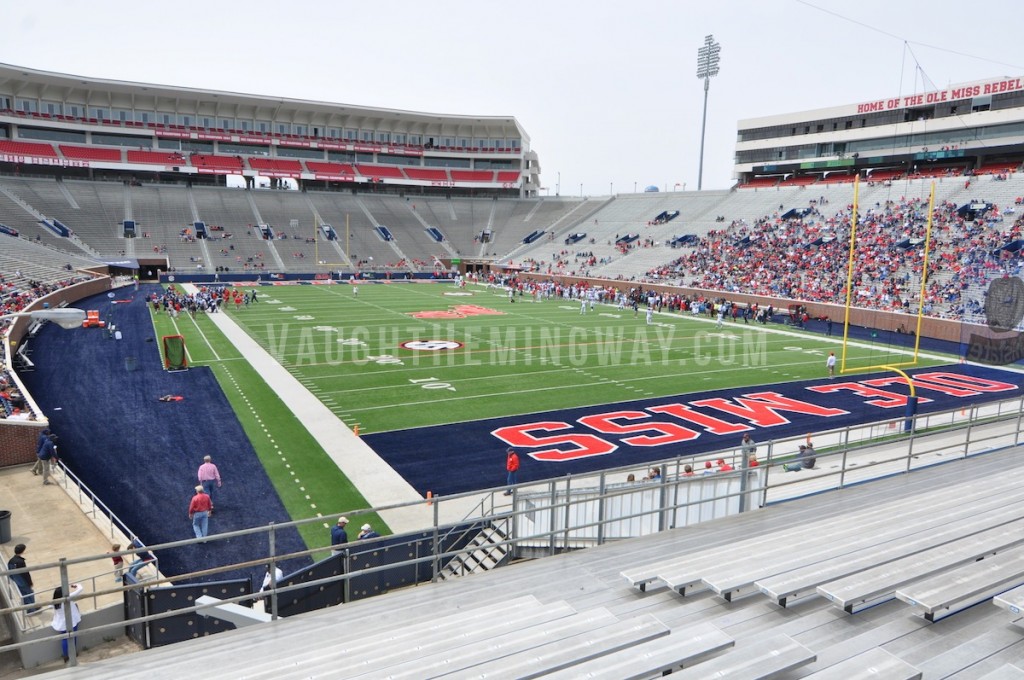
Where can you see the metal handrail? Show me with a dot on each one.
(844, 445)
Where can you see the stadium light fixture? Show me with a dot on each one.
(707, 68)
(65, 317)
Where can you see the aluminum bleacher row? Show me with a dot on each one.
(471, 227)
(96, 210)
(572, 615)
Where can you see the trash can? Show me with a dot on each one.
(5, 526)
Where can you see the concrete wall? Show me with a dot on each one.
(48, 648)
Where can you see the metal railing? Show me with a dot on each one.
(586, 509)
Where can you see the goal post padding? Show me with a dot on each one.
(174, 353)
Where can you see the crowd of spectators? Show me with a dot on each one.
(566, 263)
(12, 402)
(806, 258)
(17, 292)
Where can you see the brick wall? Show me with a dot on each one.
(18, 441)
(931, 327)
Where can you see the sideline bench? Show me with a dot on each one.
(951, 591)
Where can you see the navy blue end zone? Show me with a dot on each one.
(447, 459)
(140, 455)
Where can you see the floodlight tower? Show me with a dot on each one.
(707, 68)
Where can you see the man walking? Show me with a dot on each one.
(512, 467)
(199, 512)
(23, 580)
(339, 537)
(209, 476)
(44, 436)
(830, 364)
(46, 453)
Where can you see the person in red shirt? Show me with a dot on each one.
(512, 466)
(723, 466)
(199, 512)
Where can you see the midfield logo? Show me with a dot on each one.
(456, 312)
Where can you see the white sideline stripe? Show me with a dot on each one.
(379, 483)
(203, 335)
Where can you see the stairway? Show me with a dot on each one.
(485, 552)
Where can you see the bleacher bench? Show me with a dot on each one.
(684, 646)
(769, 657)
(873, 664)
(952, 591)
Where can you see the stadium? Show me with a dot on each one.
(358, 312)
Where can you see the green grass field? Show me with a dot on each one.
(524, 358)
(509, 358)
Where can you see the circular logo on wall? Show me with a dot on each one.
(430, 345)
(1004, 304)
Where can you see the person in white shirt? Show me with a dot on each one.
(60, 616)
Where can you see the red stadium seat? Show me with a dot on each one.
(380, 171)
(90, 153)
(427, 174)
(473, 175)
(27, 148)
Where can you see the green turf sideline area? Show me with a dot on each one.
(305, 478)
(480, 356)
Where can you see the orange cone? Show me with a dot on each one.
(355, 430)
(430, 498)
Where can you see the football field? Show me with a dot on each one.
(439, 381)
(398, 356)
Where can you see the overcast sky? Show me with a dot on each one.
(606, 90)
